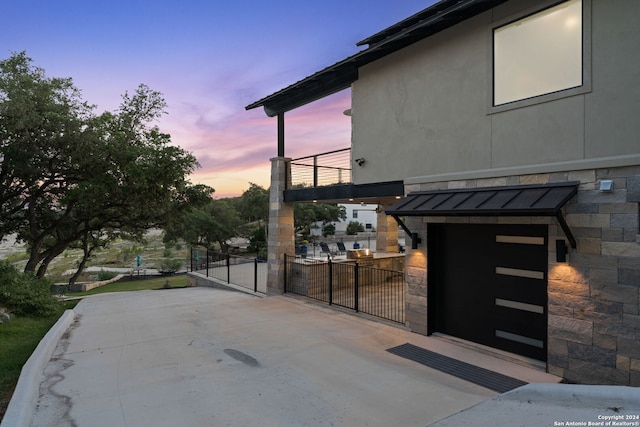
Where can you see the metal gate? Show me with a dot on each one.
(364, 289)
(488, 284)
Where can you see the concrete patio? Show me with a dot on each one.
(204, 356)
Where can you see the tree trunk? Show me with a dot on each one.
(48, 256)
(42, 270)
(34, 260)
(83, 262)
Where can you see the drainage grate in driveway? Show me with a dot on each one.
(475, 374)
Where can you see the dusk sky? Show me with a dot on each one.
(209, 59)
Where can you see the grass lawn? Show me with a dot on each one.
(177, 281)
(18, 339)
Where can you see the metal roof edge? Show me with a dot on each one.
(420, 26)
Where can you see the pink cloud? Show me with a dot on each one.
(239, 143)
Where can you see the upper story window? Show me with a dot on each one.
(540, 54)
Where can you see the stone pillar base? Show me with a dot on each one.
(386, 233)
(281, 232)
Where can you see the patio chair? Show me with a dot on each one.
(341, 249)
(324, 249)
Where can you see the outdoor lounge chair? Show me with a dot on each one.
(341, 249)
(324, 249)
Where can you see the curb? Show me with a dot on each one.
(25, 397)
(541, 404)
(578, 395)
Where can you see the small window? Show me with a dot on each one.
(539, 54)
(355, 213)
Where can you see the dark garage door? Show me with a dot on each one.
(488, 284)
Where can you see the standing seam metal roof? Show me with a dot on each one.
(340, 75)
(518, 200)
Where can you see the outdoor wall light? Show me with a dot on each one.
(606, 185)
(415, 240)
(361, 161)
(561, 251)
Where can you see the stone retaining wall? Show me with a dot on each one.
(84, 287)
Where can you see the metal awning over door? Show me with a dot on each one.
(517, 200)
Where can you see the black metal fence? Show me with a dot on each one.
(365, 289)
(246, 271)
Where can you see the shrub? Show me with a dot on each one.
(106, 275)
(170, 264)
(24, 294)
(328, 230)
(354, 227)
(258, 240)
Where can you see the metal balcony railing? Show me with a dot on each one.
(318, 170)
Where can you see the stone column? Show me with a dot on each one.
(415, 270)
(281, 234)
(386, 233)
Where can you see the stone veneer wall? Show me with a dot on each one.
(386, 233)
(594, 298)
(281, 234)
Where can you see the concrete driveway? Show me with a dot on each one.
(211, 357)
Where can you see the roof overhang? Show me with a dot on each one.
(517, 200)
(339, 76)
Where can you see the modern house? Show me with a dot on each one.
(510, 131)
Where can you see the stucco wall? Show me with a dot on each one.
(424, 113)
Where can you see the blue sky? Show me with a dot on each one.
(209, 59)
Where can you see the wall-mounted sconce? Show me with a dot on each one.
(561, 250)
(361, 161)
(606, 185)
(415, 240)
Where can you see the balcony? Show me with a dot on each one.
(327, 177)
(320, 170)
